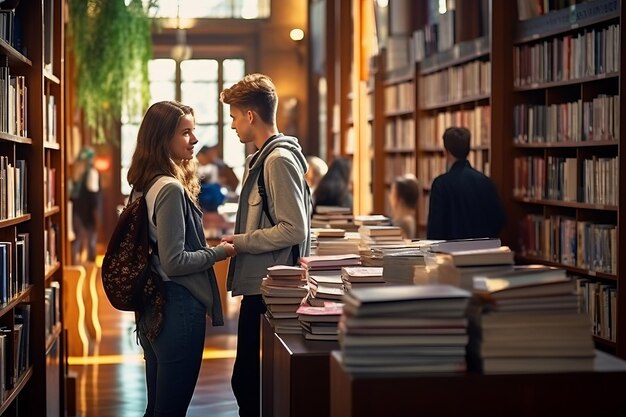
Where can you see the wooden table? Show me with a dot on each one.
(298, 384)
(598, 393)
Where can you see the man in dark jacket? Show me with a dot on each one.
(464, 203)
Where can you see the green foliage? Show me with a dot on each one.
(112, 44)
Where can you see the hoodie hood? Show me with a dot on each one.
(288, 142)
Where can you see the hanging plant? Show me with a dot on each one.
(111, 43)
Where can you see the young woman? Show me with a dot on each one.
(173, 343)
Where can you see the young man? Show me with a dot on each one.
(464, 203)
(261, 240)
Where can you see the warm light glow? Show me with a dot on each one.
(296, 34)
(102, 163)
(382, 3)
(135, 358)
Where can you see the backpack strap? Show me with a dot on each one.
(295, 249)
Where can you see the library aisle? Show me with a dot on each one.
(110, 378)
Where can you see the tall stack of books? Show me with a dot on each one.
(529, 321)
(320, 323)
(404, 329)
(360, 277)
(283, 290)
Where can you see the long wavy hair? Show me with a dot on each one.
(152, 155)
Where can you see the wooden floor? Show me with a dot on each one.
(110, 379)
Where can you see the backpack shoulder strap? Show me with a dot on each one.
(153, 192)
(295, 249)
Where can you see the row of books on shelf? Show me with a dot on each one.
(477, 120)
(599, 301)
(456, 83)
(589, 53)
(50, 120)
(51, 243)
(13, 100)
(13, 186)
(14, 349)
(399, 97)
(398, 165)
(577, 121)
(14, 267)
(557, 178)
(400, 134)
(565, 240)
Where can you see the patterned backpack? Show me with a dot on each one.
(129, 282)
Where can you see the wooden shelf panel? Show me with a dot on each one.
(11, 395)
(466, 100)
(51, 77)
(572, 82)
(565, 20)
(570, 204)
(584, 144)
(573, 269)
(16, 139)
(20, 298)
(15, 57)
(49, 211)
(458, 54)
(14, 220)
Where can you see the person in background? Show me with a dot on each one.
(464, 203)
(317, 170)
(274, 231)
(403, 199)
(213, 169)
(173, 350)
(86, 202)
(335, 188)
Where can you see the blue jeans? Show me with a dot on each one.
(174, 358)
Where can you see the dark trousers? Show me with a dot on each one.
(174, 357)
(246, 380)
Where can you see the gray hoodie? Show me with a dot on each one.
(258, 243)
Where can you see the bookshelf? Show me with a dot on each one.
(565, 155)
(32, 215)
(399, 124)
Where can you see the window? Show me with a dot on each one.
(220, 9)
(198, 85)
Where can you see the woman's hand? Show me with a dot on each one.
(230, 248)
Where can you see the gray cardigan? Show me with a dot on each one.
(183, 256)
(258, 243)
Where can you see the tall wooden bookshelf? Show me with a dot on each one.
(32, 224)
(399, 124)
(561, 135)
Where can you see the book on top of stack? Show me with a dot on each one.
(360, 277)
(404, 329)
(459, 267)
(283, 290)
(372, 220)
(529, 320)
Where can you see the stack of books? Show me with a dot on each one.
(404, 329)
(333, 217)
(458, 262)
(528, 320)
(399, 265)
(325, 287)
(283, 290)
(335, 241)
(360, 277)
(323, 273)
(380, 236)
(320, 323)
